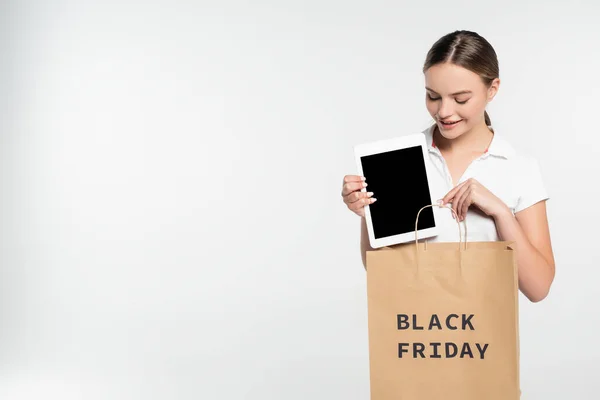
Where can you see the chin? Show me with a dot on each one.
(450, 134)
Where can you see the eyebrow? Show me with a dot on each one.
(453, 94)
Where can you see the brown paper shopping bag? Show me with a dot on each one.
(443, 321)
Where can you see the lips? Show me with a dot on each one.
(447, 126)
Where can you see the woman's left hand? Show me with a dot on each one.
(472, 192)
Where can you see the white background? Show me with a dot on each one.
(171, 220)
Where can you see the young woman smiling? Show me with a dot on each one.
(476, 170)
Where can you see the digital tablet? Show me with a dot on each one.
(397, 173)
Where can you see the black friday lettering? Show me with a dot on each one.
(439, 349)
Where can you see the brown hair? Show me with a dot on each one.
(468, 50)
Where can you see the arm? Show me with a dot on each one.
(364, 241)
(530, 232)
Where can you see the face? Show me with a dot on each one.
(459, 96)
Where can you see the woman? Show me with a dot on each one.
(476, 171)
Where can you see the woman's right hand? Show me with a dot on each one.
(352, 195)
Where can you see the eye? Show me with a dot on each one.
(437, 98)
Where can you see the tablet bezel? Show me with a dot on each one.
(382, 146)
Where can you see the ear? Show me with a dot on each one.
(493, 89)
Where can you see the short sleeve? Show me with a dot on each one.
(532, 188)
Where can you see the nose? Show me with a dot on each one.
(445, 110)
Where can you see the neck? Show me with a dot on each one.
(477, 139)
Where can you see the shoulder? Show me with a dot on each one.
(521, 160)
(526, 176)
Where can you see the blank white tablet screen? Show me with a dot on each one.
(398, 180)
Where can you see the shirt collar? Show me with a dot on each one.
(499, 147)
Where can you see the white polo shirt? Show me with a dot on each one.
(514, 178)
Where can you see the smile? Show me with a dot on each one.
(449, 125)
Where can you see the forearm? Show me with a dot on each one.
(535, 272)
(364, 241)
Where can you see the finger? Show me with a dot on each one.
(468, 199)
(459, 199)
(451, 194)
(454, 214)
(355, 196)
(350, 187)
(360, 204)
(357, 206)
(460, 204)
(465, 206)
(353, 178)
